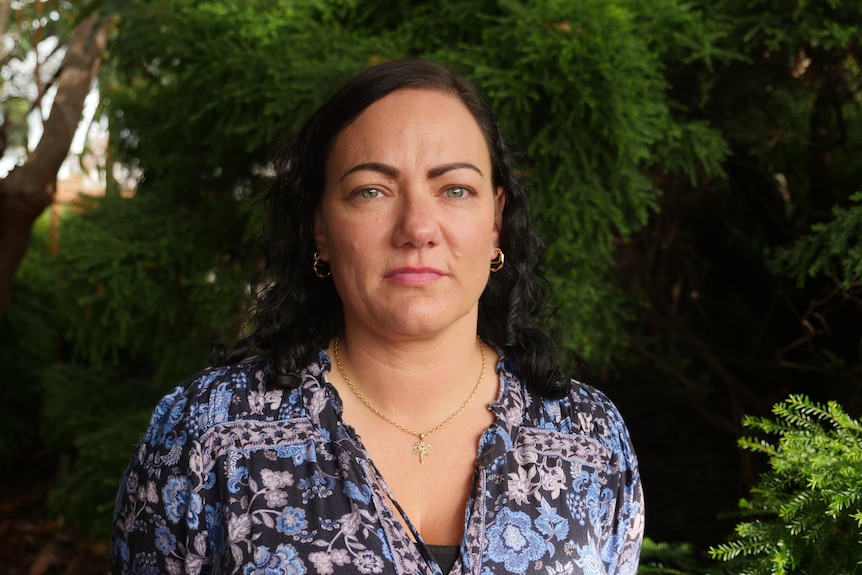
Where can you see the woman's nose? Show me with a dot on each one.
(417, 222)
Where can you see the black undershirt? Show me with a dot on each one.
(445, 555)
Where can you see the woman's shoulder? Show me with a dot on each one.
(232, 378)
(585, 397)
(583, 410)
(215, 395)
(578, 396)
(597, 415)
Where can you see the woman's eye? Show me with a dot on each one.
(456, 192)
(369, 193)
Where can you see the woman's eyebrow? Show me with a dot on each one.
(393, 172)
(440, 170)
(372, 167)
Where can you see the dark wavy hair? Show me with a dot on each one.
(297, 313)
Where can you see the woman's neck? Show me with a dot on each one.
(419, 381)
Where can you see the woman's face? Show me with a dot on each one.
(409, 218)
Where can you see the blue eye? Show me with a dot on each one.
(456, 192)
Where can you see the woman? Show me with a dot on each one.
(404, 413)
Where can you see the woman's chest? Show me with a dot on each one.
(309, 503)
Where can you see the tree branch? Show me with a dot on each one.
(5, 7)
(29, 188)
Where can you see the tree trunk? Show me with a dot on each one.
(29, 188)
(5, 8)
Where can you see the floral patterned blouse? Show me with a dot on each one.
(234, 477)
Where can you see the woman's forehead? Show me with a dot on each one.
(411, 125)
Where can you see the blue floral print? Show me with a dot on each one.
(292, 521)
(235, 477)
(165, 540)
(284, 561)
(512, 541)
(167, 414)
(176, 495)
(550, 523)
(589, 560)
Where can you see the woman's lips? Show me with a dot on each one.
(410, 276)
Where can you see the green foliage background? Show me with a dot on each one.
(805, 515)
(693, 168)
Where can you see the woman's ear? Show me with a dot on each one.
(499, 204)
(320, 234)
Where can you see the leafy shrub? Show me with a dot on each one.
(805, 515)
(833, 249)
(660, 558)
(27, 338)
(148, 286)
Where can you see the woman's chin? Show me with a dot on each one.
(427, 321)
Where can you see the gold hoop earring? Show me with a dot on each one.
(321, 273)
(499, 260)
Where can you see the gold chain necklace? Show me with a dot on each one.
(421, 447)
